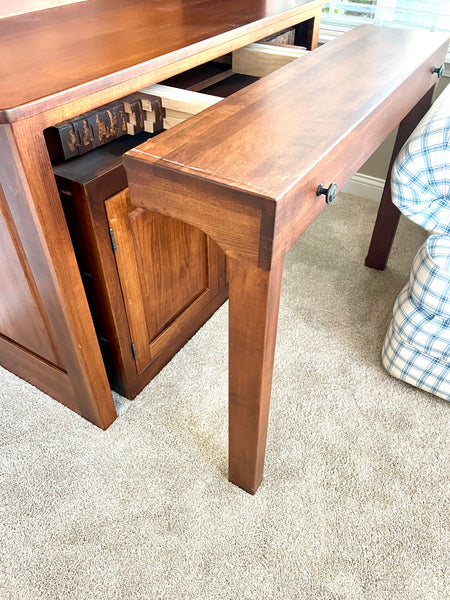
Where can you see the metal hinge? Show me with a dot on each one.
(113, 240)
(133, 350)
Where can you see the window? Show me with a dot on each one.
(432, 15)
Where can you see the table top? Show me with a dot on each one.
(267, 137)
(68, 52)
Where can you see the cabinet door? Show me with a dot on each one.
(168, 272)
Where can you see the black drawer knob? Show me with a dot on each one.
(439, 70)
(329, 192)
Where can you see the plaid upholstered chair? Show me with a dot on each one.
(416, 348)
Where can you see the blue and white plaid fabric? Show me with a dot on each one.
(429, 281)
(416, 348)
(421, 173)
(427, 334)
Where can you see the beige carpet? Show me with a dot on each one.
(355, 501)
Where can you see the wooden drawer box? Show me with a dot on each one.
(151, 281)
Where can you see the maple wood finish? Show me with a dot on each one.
(251, 166)
(57, 64)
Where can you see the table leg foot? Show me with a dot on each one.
(254, 303)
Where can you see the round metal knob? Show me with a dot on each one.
(439, 70)
(329, 192)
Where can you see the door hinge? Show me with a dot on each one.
(133, 350)
(113, 240)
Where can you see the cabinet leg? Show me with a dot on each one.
(254, 303)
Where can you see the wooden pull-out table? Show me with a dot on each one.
(247, 171)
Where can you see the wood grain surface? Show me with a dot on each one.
(80, 48)
(265, 138)
(274, 141)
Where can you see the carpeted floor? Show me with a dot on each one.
(355, 501)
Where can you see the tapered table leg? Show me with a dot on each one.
(388, 214)
(254, 303)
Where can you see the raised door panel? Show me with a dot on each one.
(22, 316)
(172, 266)
(165, 274)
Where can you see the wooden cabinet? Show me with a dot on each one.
(151, 281)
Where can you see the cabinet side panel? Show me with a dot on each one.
(22, 318)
